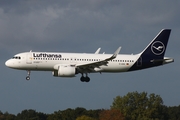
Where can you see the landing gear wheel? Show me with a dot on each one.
(28, 75)
(82, 79)
(85, 79)
(27, 78)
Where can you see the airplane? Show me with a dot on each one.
(70, 64)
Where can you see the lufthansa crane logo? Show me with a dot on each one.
(157, 48)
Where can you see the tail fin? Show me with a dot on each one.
(153, 54)
(156, 49)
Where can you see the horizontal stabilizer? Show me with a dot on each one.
(168, 60)
(164, 61)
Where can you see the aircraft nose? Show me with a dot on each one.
(8, 63)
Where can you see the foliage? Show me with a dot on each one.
(31, 115)
(174, 112)
(112, 114)
(7, 116)
(133, 106)
(140, 106)
(72, 114)
(84, 117)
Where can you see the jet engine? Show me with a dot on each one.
(65, 71)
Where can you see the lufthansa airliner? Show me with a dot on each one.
(70, 64)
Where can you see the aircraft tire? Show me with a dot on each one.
(87, 79)
(82, 79)
(27, 78)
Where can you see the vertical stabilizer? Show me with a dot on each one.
(153, 54)
(156, 49)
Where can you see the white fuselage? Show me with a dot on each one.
(41, 61)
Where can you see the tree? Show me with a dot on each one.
(1, 116)
(31, 115)
(84, 117)
(112, 114)
(68, 114)
(139, 106)
(6, 116)
(55, 116)
(174, 113)
(94, 113)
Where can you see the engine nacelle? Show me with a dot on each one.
(65, 71)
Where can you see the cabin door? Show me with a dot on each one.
(29, 58)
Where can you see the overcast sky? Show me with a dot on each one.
(83, 26)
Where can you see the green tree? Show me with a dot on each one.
(55, 116)
(84, 117)
(94, 113)
(140, 106)
(30, 115)
(72, 114)
(2, 116)
(80, 111)
(68, 114)
(174, 113)
(7, 116)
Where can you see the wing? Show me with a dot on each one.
(95, 66)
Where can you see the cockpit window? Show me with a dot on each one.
(16, 57)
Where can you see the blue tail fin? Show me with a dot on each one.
(153, 54)
(156, 49)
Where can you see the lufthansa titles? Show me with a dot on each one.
(47, 55)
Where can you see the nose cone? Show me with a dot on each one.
(8, 63)
(11, 63)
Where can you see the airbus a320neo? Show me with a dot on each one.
(70, 64)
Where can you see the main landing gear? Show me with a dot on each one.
(28, 76)
(84, 79)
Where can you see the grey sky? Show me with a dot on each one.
(83, 26)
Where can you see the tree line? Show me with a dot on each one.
(133, 106)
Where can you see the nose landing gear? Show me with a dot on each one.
(28, 76)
